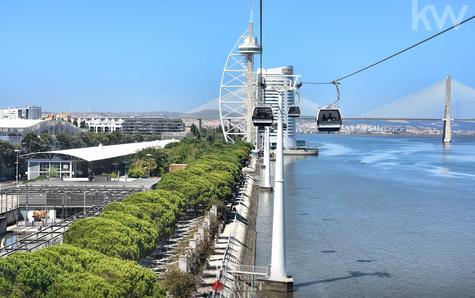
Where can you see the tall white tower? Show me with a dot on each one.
(237, 90)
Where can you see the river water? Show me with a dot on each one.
(378, 217)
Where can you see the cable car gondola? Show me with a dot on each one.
(294, 112)
(329, 120)
(262, 116)
(329, 117)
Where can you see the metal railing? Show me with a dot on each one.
(250, 270)
(52, 233)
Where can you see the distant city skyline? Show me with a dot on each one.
(163, 56)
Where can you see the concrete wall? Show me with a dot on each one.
(7, 219)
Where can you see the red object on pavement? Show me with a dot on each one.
(217, 286)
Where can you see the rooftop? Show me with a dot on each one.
(104, 152)
(18, 123)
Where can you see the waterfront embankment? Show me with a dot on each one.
(235, 247)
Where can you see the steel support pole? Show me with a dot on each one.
(84, 204)
(46, 206)
(17, 162)
(27, 207)
(278, 272)
(63, 209)
(267, 158)
(17, 209)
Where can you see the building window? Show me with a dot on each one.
(44, 166)
(55, 166)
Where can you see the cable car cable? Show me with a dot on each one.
(394, 55)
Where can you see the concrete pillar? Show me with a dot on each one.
(447, 133)
(202, 233)
(3, 224)
(278, 275)
(266, 186)
(208, 221)
(183, 263)
(28, 172)
(193, 243)
(214, 210)
(197, 237)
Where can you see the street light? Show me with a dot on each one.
(149, 163)
(17, 151)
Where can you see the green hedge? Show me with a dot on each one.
(68, 271)
(129, 229)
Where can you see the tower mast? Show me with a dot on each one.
(249, 48)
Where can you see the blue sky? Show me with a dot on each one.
(168, 55)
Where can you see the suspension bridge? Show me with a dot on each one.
(425, 104)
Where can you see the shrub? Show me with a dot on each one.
(179, 284)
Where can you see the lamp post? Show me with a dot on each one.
(17, 151)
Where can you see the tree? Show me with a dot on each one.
(7, 160)
(64, 141)
(140, 168)
(68, 271)
(180, 285)
(159, 156)
(83, 124)
(67, 286)
(195, 131)
(75, 123)
(33, 142)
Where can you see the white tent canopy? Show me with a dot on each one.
(105, 152)
(18, 123)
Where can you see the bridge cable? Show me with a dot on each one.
(393, 55)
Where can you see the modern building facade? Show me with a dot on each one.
(278, 78)
(101, 124)
(27, 113)
(152, 125)
(80, 162)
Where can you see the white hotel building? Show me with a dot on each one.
(101, 124)
(275, 77)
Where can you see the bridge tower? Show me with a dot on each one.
(447, 132)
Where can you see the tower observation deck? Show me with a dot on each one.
(237, 96)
